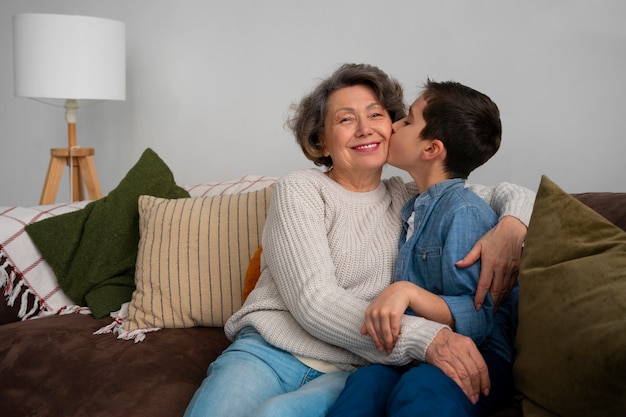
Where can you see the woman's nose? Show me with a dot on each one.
(364, 128)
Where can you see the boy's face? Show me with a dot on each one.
(406, 144)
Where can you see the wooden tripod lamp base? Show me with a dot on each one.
(82, 171)
(80, 161)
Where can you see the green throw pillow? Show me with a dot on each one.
(571, 339)
(93, 251)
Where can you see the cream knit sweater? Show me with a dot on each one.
(327, 252)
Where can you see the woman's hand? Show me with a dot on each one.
(500, 251)
(383, 315)
(458, 357)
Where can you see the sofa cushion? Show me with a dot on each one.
(571, 338)
(93, 251)
(53, 366)
(193, 255)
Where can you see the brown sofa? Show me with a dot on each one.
(55, 366)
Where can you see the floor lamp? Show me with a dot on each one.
(70, 58)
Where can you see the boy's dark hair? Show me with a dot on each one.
(465, 120)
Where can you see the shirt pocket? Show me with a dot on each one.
(427, 262)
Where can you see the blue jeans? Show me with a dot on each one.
(423, 390)
(253, 378)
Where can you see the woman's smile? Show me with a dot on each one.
(367, 147)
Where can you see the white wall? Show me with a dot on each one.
(210, 84)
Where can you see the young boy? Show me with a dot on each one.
(451, 129)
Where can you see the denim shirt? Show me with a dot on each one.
(448, 221)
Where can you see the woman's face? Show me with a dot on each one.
(356, 131)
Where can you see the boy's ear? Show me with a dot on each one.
(434, 149)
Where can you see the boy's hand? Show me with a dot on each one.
(382, 317)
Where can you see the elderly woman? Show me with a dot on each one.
(330, 245)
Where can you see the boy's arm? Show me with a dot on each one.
(455, 309)
(500, 252)
(459, 284)
(383, 315)
(500, 249)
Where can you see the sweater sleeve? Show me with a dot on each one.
(508, 199)
(297, 252)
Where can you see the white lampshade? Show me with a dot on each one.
(69, 57)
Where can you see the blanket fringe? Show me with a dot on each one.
(12, 285)
(22, 313)
(12, 290)
(116, 327)
(73, 309)
(138, 335)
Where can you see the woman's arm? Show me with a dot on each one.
(507, 199)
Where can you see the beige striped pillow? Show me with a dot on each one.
(192, 258)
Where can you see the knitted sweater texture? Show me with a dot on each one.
(327, 252)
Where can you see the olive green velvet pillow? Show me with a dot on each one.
(571, 340)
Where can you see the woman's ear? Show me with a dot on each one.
(322, 146)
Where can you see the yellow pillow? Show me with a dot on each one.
(192, 258)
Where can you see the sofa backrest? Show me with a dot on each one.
(608, 204)
(611, 205)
